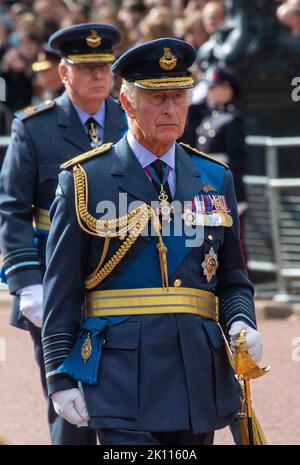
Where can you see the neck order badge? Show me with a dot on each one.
(93, 135)
(159, 172)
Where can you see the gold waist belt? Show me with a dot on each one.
(41, 219)
(150, 301)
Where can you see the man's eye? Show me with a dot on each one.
(156, 99)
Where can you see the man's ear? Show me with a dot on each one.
(63, 72)
(126, 104)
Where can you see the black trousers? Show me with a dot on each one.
(172, 438)
(61, 431)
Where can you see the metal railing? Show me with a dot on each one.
(273, 220)
(4, 141)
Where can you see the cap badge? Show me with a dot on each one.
(168, 61)
(93, 40)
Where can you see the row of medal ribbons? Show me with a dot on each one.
(207, 210)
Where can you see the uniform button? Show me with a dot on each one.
(207, 125)
(202, 140)
(177, 283)
(212, 133)
(215, 114)
(104, 342)
(210, 237)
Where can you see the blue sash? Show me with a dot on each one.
(74, 365)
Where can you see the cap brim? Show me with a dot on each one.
(91, 58)
(42, 65)
(166, 83)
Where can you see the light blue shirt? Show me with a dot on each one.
(145, 157)
(99, 117)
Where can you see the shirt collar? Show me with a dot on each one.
(145, 157)
(99, 116)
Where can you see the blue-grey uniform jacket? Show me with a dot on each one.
(42, 138)
(163, 372)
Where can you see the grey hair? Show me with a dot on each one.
(130, 90)
(64, 61)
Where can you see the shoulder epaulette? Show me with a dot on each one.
(27, 112)
(86, 156)
(203, 155)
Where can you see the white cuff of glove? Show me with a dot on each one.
(254, 340)
(70, 405)
(242, 207)
(31, 303)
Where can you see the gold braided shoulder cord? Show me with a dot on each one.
(133, 223)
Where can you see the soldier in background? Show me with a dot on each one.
(47, 82)
(216, 126)
(83, 117)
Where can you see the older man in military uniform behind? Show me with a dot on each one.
(42, 138)
(150, 355)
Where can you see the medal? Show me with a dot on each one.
(207, 210)
(164, 209)
(210, 264)
(86, 349)
(189, 217)
(95, 141)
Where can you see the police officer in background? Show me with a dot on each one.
(82, 118)
(216, 126)
(149, 354)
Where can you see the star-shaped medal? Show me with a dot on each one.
(210, 264)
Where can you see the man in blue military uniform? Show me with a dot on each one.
(42, 138)
(150, 354)
(216, 125)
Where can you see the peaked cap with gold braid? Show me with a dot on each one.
(86, 43)
(159, 64)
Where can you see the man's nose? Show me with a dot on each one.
(169, 105)
(97, 71)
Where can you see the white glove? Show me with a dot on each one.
(31, 303)
(242, 207)
(70, 405)
(254, 340)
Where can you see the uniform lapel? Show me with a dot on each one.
(114, 121)
(132, 177)
(68, 119)
(188, 178)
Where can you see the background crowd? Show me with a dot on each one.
(25, 26)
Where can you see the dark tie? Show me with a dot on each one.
(159, 167)
(91, 124)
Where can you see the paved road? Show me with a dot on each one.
(276, 397)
